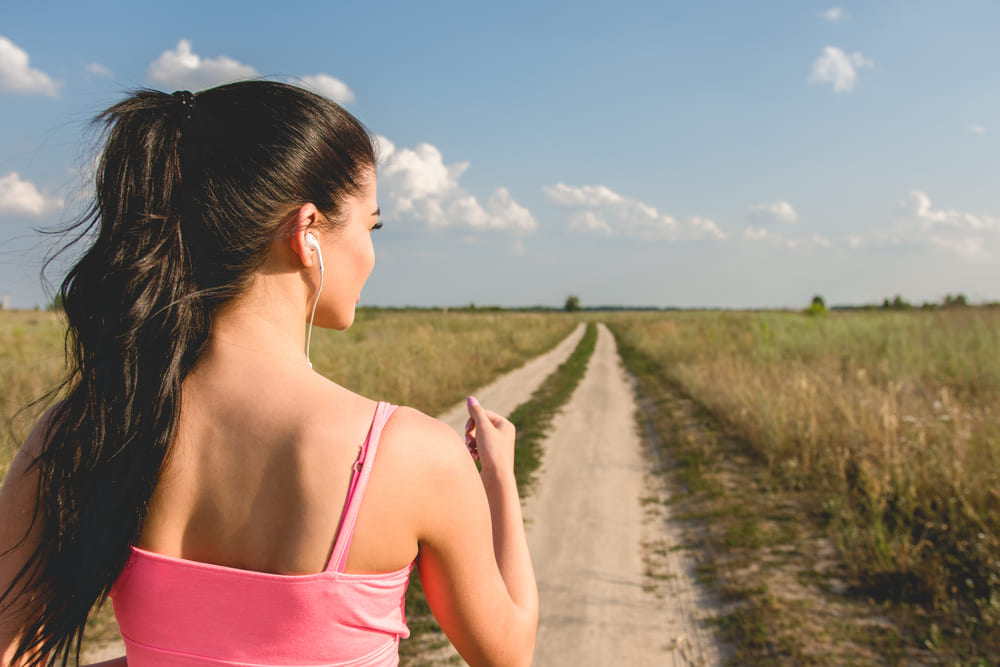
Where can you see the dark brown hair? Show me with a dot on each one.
(190, 192)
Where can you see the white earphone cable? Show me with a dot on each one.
(315, 303)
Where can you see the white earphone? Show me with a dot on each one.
(313, 244)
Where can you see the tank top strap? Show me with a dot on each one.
(359, 482)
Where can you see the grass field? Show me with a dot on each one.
(426, 359)
(887, 423)
(874, 432)
(423, 358)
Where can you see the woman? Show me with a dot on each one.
(196, 468)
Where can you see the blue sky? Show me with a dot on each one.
(725, 154)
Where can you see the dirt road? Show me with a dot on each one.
(510, 390)
(615, 588)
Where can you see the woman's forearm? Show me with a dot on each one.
(510, 545)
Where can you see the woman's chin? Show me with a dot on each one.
(343, 321)
(336, 321)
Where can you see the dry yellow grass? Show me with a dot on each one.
(31, 364)
(889, 418)
(430, 359)
(426, 359)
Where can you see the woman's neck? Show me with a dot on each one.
(263, 321)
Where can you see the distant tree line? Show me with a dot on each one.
(818, 306)
(949, 301)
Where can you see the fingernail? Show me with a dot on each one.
(468, 440)
(473, 401)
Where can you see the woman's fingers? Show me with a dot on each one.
(490, 438)
(480, 416)
(470, 438)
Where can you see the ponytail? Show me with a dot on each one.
(191, 192)
(134, 333)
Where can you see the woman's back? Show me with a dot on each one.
(260, 470)
(178, 611)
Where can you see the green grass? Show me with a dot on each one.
(534, 417)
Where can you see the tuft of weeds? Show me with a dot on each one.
(534, 417)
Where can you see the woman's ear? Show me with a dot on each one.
(303, 221)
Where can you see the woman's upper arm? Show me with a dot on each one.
(457, 564)
(20, 533)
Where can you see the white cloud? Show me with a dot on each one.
(971, 247)
(586, 195)
(921, 224)
(418, 181)
(839, 68)
(99, 70)
(20, 197)
(590, 221)
(505, 213)
(966, 234)
(977, 129)
(919, 206)
(420, 186)
(184, 69)
(384, 148)
(17, 75)
(599, 209)
(328, 86)
(654, 227)
(779, 211)
(835, 14)
(707, 227)
(754, 233)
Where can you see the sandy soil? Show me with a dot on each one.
(615, 584)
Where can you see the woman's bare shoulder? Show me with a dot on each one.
(420, 431)
(426, 461)
(425, 444)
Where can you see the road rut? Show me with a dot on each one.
(587, 526)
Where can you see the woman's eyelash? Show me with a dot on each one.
(378, 225)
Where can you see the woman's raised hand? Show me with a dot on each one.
(489, 437)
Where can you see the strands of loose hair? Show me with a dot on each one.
(189, 197)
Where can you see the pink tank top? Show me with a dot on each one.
(173, 611)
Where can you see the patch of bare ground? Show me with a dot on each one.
(671, 567)
(427, 645)
(612, 589)
(784, 594)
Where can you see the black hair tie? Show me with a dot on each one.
(186, 100)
